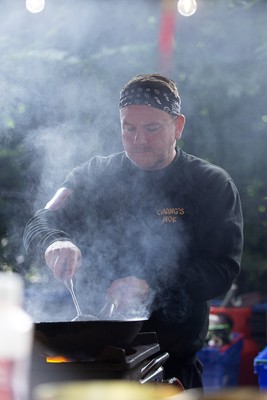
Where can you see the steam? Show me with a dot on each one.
(60, 76)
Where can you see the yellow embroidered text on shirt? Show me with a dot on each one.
(169, 215)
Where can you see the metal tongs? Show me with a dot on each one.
(106, 312)
(108, 309)
(80, 316)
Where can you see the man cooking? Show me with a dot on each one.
(151, 222)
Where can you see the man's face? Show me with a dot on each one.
(149, 135)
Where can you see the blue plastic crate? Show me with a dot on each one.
(222, 364)
(260, 368)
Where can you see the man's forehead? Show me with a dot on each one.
(144, 112)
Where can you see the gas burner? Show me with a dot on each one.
(137, 362)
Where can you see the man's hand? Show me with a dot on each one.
(63, 258)
(129, 292)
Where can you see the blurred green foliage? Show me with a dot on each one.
(59, 84)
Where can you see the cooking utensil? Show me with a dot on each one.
(80, 316)
(108, 309)
(85, 338)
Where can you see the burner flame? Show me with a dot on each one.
(57, 359)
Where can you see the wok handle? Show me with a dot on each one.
(153, 365)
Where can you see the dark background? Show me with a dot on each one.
(60, 75)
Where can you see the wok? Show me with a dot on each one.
(81, 339)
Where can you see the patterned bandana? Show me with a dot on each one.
(150, 94)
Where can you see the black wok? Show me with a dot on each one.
(81, 339)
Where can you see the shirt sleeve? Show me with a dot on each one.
(41, 231)
(59, 218)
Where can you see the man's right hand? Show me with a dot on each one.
(63, 258)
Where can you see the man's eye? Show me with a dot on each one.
(152, 128)
(129, 128)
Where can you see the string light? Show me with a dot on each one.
(187, 7)
(35, 6)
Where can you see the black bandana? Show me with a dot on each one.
(151, 94)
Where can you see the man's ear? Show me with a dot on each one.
(179, 126)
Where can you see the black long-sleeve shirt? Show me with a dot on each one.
(180, 228)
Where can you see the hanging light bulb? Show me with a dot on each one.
(35, 6)
(187, 7)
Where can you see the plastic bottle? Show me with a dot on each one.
(16, 339)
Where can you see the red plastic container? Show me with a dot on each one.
(240, 316)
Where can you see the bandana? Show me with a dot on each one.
(150, 94)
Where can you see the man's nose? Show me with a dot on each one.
(139, 137)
